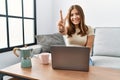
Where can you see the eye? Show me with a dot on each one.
(71, 14)
(76, 13)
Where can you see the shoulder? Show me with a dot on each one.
(90, 30)
(90, 27)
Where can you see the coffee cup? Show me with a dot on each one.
(44, 58)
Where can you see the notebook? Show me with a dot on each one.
(70, 57)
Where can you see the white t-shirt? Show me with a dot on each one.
(77, 40)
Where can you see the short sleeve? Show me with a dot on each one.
(90, 30)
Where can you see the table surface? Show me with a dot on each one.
(46, 72)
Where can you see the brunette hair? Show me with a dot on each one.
(82, 26)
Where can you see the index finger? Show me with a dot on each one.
(61, 16)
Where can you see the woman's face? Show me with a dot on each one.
(75, 17)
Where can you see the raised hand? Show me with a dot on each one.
(61, 16)
(61, 24)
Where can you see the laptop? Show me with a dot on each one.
(70, 57)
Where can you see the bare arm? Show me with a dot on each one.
(90, 41)
(61, 24)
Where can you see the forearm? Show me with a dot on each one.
(90, 41)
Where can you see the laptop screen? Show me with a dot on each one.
(70, 58)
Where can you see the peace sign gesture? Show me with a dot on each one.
(61, 16)
(61, 24)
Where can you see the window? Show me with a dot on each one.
(17, 23)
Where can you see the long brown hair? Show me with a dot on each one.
(82, 26)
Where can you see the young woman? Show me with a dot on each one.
(76, 33)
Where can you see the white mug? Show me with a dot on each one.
(44, 57)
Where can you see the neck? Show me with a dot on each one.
(76, 26)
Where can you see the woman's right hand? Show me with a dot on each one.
(61, 24)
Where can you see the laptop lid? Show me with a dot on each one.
(70, 58)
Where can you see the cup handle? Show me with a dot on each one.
(14, 51)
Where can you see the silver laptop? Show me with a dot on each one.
(70, 58)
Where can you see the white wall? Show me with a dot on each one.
(103, 13)
(98, 13)
(44, 16)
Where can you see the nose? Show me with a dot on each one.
(74, 16)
